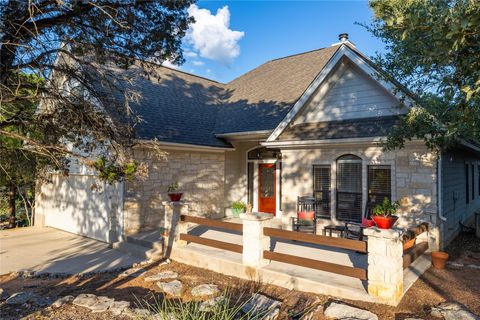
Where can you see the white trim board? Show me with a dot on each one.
(356, 59)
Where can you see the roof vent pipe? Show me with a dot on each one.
(343, 37)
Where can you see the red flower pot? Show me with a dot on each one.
(367, 223)
(385, 222)
(439, 258)
(175, 196)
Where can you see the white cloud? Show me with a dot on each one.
(168, 64)
(198, 63)
(211, 35)
(190, 54)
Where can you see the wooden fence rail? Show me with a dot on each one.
(212, 243)
(356, 245)
(213, 223)
(413, 253)
(315, 264)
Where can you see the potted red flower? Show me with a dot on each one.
(173, 192)
(383, 214)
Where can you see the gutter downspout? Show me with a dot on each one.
(439, 191)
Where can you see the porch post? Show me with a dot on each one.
(173, 226)
(385, 265)
(254, 241)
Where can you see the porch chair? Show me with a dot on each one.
(354, 230)
(306, 219)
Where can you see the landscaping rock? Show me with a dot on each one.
(162, 276)
(205, 290)
(118, 307)
(85, 300)
(452, 311)
(137, 313)
(62, 300)
(132, 272)
(209, 305)
(20, 297)
(263, 306)
(3, 294)
(173, 288)
(342, 311)
(102, 304)
(313, 314)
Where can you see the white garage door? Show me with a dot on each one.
(79, 204)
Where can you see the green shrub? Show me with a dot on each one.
(238, 205)
(386, 208)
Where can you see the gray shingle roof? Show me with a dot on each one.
(182, 108)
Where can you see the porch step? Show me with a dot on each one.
(138, 250)
(145, 242)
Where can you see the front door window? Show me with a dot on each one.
(349, 188)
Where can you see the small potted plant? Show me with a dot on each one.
(383, 214)
(237, 208)
(173, 192)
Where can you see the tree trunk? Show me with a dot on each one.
(12, 195)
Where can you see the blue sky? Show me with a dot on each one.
(233, 37)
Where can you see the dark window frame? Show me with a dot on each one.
(321, 196)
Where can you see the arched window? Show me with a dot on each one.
(349, 188)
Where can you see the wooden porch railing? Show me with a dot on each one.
(410, 255)
(355, 245)
(210, 242)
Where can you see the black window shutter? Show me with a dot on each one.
(321, 190)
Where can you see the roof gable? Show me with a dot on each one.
(360, 62)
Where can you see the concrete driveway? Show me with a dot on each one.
(52, 250)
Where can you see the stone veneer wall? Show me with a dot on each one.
(414, 176)
(201, 178)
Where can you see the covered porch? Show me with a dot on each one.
(257, 248)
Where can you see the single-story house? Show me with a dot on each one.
(308, 124)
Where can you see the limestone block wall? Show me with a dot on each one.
(199, 173)
(414, 176)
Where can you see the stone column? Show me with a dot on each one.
(385, 265)
(173, 225)
(254, 241)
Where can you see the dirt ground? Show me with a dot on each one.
(459, 284)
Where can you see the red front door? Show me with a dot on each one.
(266, 187)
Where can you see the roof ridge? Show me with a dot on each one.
(300, 53)
(277, 59)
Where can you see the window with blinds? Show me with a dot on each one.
(349, 188)
(379, 185)
(321, 190)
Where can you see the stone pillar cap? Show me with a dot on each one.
(256, 216)
(175, 203)
(393, 233)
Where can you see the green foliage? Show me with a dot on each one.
(173, 187)
(432, 48)
(386, 208)
(226, 308)
(112, 172)
(238, 205)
